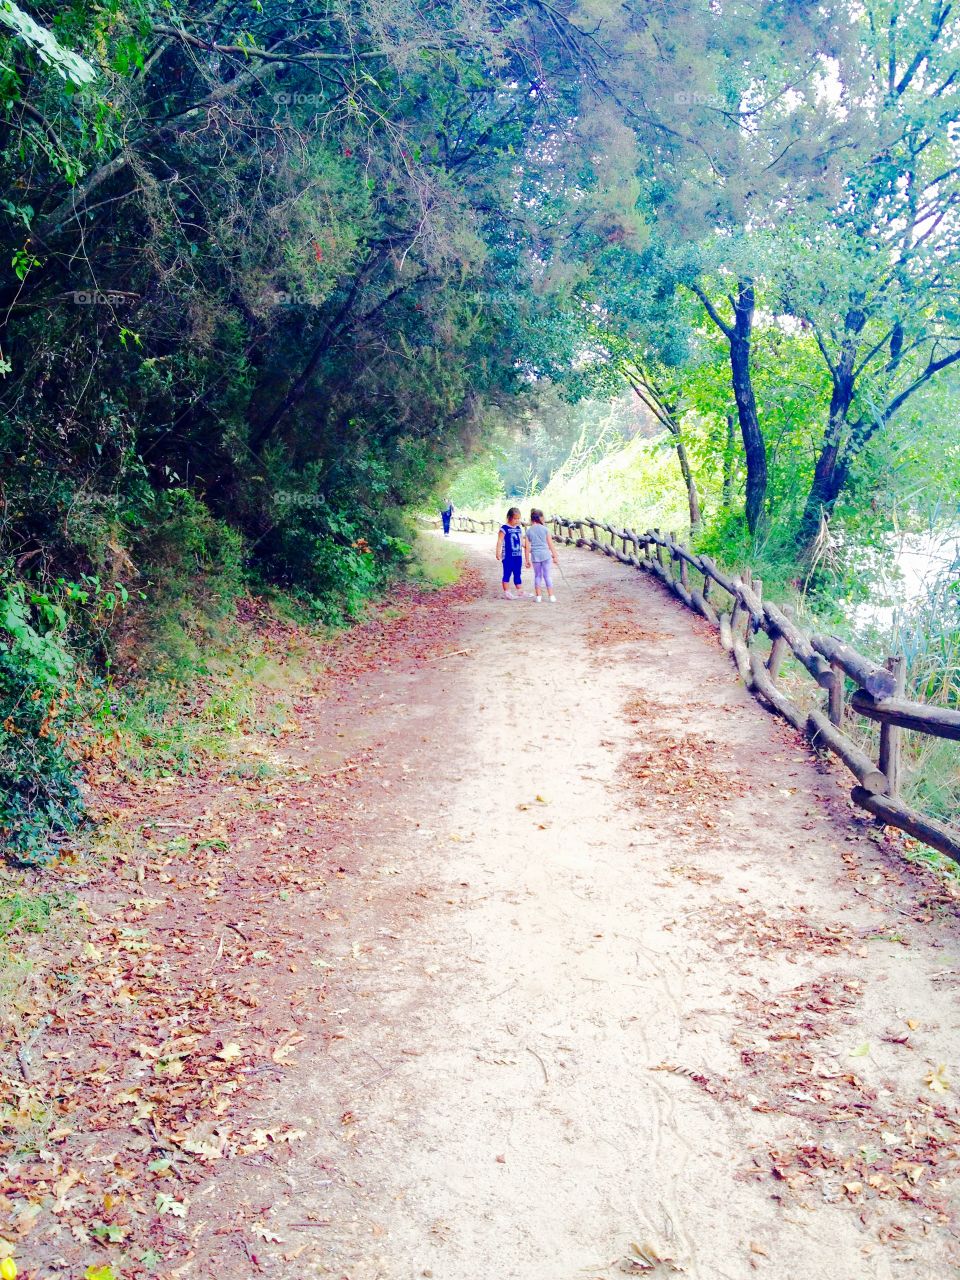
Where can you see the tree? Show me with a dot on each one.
(738, 334)
(263, 249)
(878, 284)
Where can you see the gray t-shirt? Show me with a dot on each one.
(537, 533)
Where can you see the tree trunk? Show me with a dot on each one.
(754, 446)
(726, 500)
(830, 472)
(665, 413)
(738, 335)
(828, 478)
(693, 498)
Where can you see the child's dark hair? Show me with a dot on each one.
(536, 516)
(514, 511)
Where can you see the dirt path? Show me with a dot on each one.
(595, 966)
(549, 917)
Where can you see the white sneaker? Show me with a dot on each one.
(553, 599)
(538, 600)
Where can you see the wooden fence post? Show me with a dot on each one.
(878, 690)
(890, 733)
(756, 586)
(778, 651)
(836, 695)
(735, 615)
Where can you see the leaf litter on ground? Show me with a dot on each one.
(158, 1029)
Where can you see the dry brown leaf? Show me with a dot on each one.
(647, 1256)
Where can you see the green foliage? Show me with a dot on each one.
(38, 774)
(70, 66)
(477, 486)
(341, 578)
(28, 912)
(193, 570)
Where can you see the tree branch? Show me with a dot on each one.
(726, 329)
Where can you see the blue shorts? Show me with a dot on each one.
(512, 566)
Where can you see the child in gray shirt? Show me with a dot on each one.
(540, 550)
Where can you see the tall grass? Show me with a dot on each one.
(928, 635)
(639, 485)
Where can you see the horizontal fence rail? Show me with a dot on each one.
(739, 615)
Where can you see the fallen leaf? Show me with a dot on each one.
(284, 1050)
(63, 1185)
(647, 1256)
(937, 1079)
(211, 1147)
(166, 1204)
(265, 1233)
(168, 1067)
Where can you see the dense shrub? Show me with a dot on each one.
(38, 771)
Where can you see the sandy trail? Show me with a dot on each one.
(577, 1006)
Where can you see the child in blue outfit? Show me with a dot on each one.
(510, 551)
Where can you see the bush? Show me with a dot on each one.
(333, 540)
(338, 580)
(192, 568)
(38, 709)
(478, 486)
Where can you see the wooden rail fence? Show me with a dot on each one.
(852, 683)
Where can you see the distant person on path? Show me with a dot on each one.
(510, 551)
(540, 549)
(446, 515)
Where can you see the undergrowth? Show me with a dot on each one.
(435, 562)
(165, 672)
